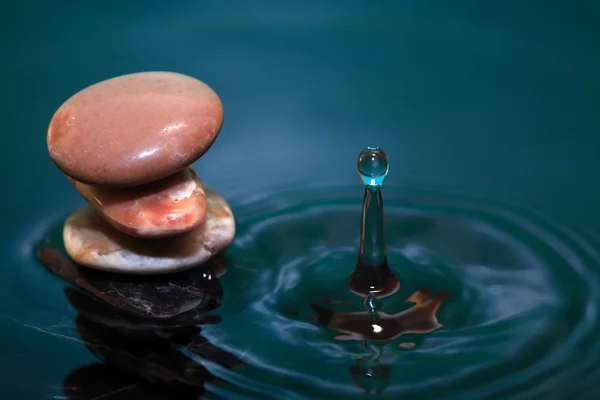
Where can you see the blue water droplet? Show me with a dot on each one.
(373, 166)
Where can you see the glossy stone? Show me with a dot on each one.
(134, 129)
(93, 242)
(167, 207)
(179, 299)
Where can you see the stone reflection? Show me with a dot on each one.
(379, 326)
(376, 329)
(145, 331)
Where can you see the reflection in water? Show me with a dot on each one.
(154, 296)
(379, 326)
(369, 373)
(378, 282)
(143, 356)
(376, 328)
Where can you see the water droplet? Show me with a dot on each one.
(373, 166)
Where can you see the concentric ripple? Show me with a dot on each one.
(520, 321)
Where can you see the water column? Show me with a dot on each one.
(372, 277)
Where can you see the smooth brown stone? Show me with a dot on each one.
(134, 129)
(92, 242)
(168, 207)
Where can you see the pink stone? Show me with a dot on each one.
(94, 243)
(168, 207)
(134, 129)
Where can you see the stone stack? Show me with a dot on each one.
(127, 145)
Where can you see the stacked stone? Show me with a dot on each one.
(127, 145)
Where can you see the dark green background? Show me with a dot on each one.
(499, 99)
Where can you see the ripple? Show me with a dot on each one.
(520, 322)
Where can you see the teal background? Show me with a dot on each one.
(495, 99)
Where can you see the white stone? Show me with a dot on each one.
(92, 242)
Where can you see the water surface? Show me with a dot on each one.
(488, 101)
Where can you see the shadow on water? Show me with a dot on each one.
(153, 351)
